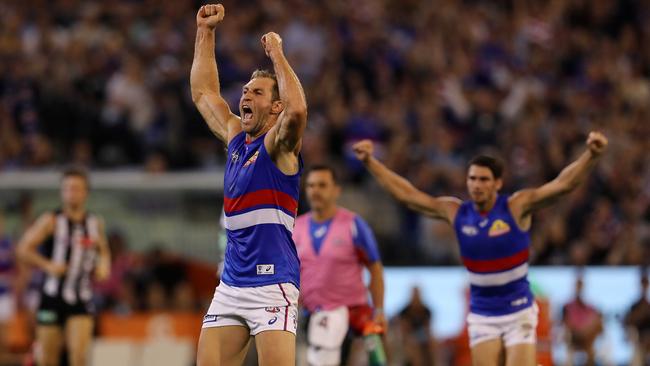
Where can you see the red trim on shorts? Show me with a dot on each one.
(286, 308)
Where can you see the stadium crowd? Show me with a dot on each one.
(105, 84)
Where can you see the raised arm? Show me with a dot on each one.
(523, 203)
(444, 208)
(32, 239)
(204, 77)
(287, 134)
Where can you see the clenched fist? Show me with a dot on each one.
(209, 15)
(597, 143)
(272, 43)
(363, 150)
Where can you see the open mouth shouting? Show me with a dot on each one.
(247, 113)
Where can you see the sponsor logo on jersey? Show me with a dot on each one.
(320, 232)
(252, 159)
(234, 157)
(273, 320)
(272, 309)
(519, 301)
(469, 230)
(47, 316)
(499, 227)
(265, 269)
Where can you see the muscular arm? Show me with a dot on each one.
(293, 119)
(32, 239)
(284, 140)
(444, 208)
(525, 202)
(204, 78)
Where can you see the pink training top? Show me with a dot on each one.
(332, 256)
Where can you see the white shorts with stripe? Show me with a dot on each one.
(272, 307)
(515, 328)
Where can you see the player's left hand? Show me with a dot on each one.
(272, 44)
(380, 319)
(597, 143)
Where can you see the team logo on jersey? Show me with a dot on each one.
(499, 227)
(252, 159)
(469, 230)
(272, 309)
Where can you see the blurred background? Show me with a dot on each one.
(106, 85)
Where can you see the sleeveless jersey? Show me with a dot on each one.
(332, 269)
(75, 245)
(260, 206)
(495, 252)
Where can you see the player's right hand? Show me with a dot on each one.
(363, 150)
(56, 269)
(597, 143)
(209, 15)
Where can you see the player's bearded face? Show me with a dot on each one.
(481, 184)
(74, 191)
(256, 104)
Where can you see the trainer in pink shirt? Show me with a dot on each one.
(332, 256)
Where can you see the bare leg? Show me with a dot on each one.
(521, 355)
(223, 346)
(276, 348)
(488, 353)
(49, 339)
(78, 335)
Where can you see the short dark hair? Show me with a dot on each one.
(262, 73)
(76, 171)
(495, 165)
(324, 167)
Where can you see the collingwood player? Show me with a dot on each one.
(69, 246)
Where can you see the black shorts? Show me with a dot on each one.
(55, 311)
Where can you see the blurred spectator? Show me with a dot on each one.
(8, 279)
(582, 325)
(637, 322)
(417, 346)
(123, 263)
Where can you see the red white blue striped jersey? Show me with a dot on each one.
(260, 206)
(495, 252)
